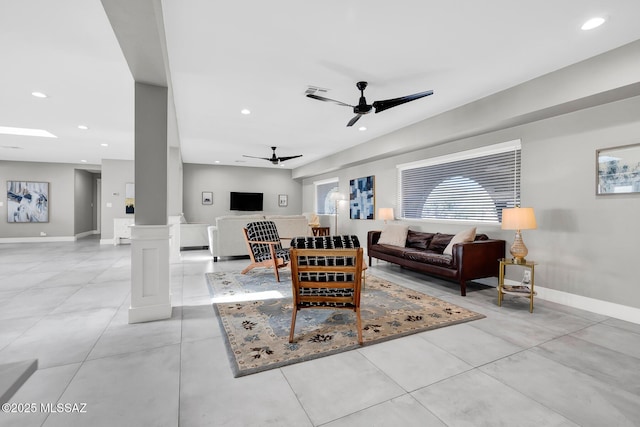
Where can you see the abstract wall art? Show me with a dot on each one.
(27, 201)
(362, 198)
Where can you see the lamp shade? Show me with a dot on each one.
(518, 219)
(385, 213)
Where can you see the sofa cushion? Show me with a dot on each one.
(394, 234)
(463, 236)
(418, 239)
(390, 250)
(429, 257)
(439, 242)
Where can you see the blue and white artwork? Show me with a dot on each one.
(27, 201)
(362, 198)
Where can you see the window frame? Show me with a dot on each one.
(318, 183)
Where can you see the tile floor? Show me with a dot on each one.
(66, 305)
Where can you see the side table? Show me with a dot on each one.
(522, 290)
(320, 231)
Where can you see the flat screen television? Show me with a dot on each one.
(245, 201)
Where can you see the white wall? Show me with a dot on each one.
(115, 174)
(221, 180)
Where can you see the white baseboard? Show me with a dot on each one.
(86, 233)
(606, 308)
(37, 239)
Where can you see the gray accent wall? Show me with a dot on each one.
(64, 220)
(585, 244)
(151, 153)
(221, 180)
(84, 202)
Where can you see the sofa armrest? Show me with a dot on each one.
(478, 259)
(373, 237)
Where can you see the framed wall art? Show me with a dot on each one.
(27, 201)
(129, 198)
(362, 198)
(283, 200)
(207, 198)
(618, 170)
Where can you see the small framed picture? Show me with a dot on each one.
(207, 198)
(618, 170)
(283, 200)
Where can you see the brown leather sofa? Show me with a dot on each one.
(424, 252)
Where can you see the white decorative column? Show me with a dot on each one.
(150, 275)
(139, 28)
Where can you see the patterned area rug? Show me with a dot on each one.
(255, 312)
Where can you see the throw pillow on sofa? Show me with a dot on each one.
(419, 240)
(439, 242)
(394, 234)
(463, 236)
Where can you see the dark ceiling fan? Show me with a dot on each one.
(275, 159)
(363, 108)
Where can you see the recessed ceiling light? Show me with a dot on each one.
(592, 23)
(217, 161)
(362, 128)
(83, 161)
(26, 132)
(83, 127)
(104, 144)
(245, 111)
(39, 95)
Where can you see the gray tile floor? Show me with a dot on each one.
(66, 305)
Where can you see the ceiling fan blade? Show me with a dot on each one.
(390, 103)
(254, 157)
(282, 159)
(322, 98)
(354, 120)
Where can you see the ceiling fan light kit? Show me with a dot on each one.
(363, 108)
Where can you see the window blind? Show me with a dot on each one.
(470, 186)
(324, 189)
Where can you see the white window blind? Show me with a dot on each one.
(470, 186)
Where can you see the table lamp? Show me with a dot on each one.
(386, 214)
(518, 219)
